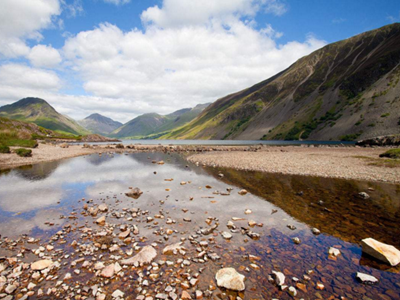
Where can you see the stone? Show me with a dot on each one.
(380, 251)
(316, 231)
(230, 279)
(145, 256)
(242, 192)
(124, 234)
(365, 278)
(278, 277)
(185, 296)
(296, 240)
(108, 271)
(103, 207)
(226, 235)
(117, 294)
(10, 289)
(334, 252)
(41, 264)
(101, 220)
(292, 291)
(134, 193)
(363, 195)
(173, 249)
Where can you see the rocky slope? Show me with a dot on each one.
(38, 111)
(153, 125)
(344, 91)
(99, 124)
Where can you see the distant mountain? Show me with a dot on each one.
(99, 124)
(38, 111)
(152, 125)
(344, 91)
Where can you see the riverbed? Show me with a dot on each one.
(49, 204)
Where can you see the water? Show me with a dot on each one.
(33, 198)
(228, 142)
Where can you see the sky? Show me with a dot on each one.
(123, 58)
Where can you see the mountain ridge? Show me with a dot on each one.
(39, 111)
(99, 124)
(343, 91)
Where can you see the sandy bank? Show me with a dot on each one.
(342, 162)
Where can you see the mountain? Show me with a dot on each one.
(38, 111)
(152, 125)
(99, 124)
(344, 91)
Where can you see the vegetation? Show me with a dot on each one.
(4, 149)
(23, 152)
(11, 138)
(350, 137)
(392, 153)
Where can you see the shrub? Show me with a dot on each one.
(119, 146)
(392, 153)
(4, 149)
(23, 152)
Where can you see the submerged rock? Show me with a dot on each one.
(365, 278)
(145, 256)
(334, 252)
(173, 249)
(134, 193)
(230, 279)
(41, 264)
(380, 251)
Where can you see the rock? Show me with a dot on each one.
(185, 296)
(101, 220)
(145, 256)
(10, 289)
(292, 291)
(41, 264)
(172, 249)
(134, 193)
(365, 278)
(108, 271)
(230, 279)
(380, 251)
(363, 195)
(315, 231)
(334, 252)
(248, 211)
(117, 294)
(242, 192)
(278, 277)
(320, 286)
(124, 234)
(103, 207)
(296, 240)
(226, 235)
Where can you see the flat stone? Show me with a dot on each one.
(108, 271)
(226, 235)
(145, 256)
(230, 279)
(380, 251)
(365, 278)
(172, 249)
(41, 264)
(278, 277)
(101, 220)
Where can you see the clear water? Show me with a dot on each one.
(32, 196)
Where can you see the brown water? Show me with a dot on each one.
(50, 192)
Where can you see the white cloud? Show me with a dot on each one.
(165, 69)
(44, 56)
(21, 20)
(20, 76)
(194, 12)
(117, 2)
(190, 52)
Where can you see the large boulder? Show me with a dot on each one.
(380, 251)
(230, 279)
(145, 256)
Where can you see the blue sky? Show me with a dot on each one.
(123, 58)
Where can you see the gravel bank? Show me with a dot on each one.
(342, 162)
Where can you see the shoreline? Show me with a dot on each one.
(331, 162)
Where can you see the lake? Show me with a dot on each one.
(46, 204)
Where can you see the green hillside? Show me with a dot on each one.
(38, 111)
(344, 91)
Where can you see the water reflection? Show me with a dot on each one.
(29, 199)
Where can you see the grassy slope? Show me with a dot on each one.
(345, 90)
(38, 111)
